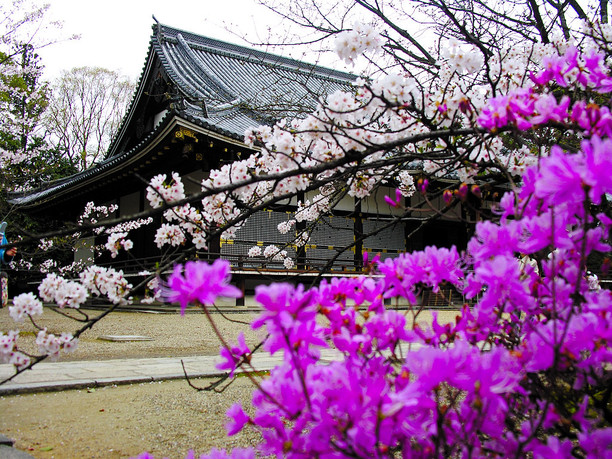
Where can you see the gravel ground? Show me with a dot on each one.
(167, 419)
(172, 334)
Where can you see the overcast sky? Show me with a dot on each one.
(115, 33)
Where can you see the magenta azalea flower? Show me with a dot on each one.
(232, 356)
(238, 419)
(549, 110)
(598, 162)
(560, 179)
(202, 283)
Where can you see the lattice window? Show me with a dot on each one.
(390, 239)
(262, 227)
(333, 231)
(318, 256)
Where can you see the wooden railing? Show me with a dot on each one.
(243, 264)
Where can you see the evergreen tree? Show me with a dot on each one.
(29, 161)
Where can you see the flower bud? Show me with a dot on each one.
(422, 185)
(462, 191)
(447, 196)
(476, 191)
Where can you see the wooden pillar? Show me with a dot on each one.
(358, 233)
(240, 283)
(301, 262)
(214, 248)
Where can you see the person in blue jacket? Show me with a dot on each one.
(4, 254)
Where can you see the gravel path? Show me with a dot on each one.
(172, 334)
(166, 419)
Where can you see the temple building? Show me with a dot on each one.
(194, 101)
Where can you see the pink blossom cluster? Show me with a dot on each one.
(168, 234)
(190, 221)
(187, 221)
(48, 344)
(461, 58)
(118, 241)
(587, 70)
(25, 304)
(51, 345)
(65, 293)
(274, 253)
(108, 282)
(47, 265)
(286, 226)
(93, 214)
(161, 191)
(45, 244)
(529, 107)
(76, 266)
(153, 291)
(130, 225)
(55, 289)
(182, 221)
(351, 44)
(200, 284)
(311, 209)
(8, 350)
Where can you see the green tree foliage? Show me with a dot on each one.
(23, 100)
(26, 160)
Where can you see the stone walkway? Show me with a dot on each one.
(49, 376)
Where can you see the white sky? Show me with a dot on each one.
(115, 33)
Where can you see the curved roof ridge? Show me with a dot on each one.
(251, 54)
(176, 67)
(200, 64)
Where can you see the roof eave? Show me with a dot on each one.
(112, 166)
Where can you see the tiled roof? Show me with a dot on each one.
(238, 86)
(226, 89)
